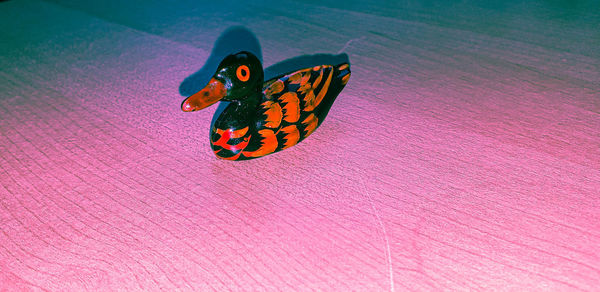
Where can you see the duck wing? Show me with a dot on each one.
(294, 105)
(307, 91)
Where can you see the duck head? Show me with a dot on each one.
(238, 77)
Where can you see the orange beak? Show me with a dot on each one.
(213, 92)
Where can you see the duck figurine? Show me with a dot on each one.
(266, 117)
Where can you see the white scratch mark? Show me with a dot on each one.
(385, 235)
(349, 42)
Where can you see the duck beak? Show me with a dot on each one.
(213, 92)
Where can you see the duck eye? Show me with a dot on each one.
(243, 73)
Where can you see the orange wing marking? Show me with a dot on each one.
(324, 89)
(269, 144)
(273, 113)
(292, 136)
(308, 88)
(346, 75)
(318, 80)
(291, 107)
(301, 77)
(274, 88)
(311, 123)
(345, 79)
(313, 101)
(308, 99)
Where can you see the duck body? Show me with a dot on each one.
(270, 116)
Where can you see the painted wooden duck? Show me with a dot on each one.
(264, 118)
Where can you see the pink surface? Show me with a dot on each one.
(456, 158)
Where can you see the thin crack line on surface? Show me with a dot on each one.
(349, 42)
(385, 235)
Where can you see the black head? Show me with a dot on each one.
(238, 77)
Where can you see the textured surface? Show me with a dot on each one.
(463, 153)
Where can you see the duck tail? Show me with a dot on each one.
(341, 75)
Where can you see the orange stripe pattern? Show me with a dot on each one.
(273, 113)
(291, 107)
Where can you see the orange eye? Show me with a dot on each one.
(243, 73)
